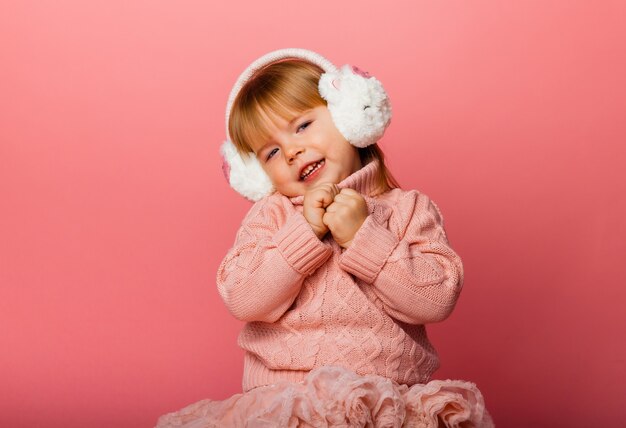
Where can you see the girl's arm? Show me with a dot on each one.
(274, 251)
(403, 252)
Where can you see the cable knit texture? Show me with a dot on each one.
(334, 337)
(308, 303)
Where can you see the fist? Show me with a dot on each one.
(345, 215)
(314, 205)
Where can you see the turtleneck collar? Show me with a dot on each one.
(363, 181)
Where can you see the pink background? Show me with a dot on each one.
(115, 215)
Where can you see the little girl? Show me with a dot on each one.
(335, 269)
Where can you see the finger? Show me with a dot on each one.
(327, 218)
(327, 199)
(331, 192)
(322, 195)
(332, 208)
(333, 189)
(343, 198)
(349, 192)
(348, 199)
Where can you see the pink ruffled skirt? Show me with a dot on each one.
(337, 397)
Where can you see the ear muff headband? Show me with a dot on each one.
(357, 102)
(268, 59)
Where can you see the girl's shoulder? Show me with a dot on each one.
(395, 195)
(411, 201)
(273, 206)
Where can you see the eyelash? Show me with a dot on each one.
(305, 124)
(271, 153)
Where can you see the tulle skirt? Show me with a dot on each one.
(337, 397)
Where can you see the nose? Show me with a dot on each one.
(293, 150)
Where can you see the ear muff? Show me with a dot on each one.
(357, 102)
(244, 173)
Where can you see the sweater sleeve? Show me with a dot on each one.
(403, 252)
(274, 251)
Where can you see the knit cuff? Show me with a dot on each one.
(369, 251)
(300, 246)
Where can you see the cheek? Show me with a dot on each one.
(276, 174)
(270, 173)
(348, 152)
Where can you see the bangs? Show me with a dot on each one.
(284, 90)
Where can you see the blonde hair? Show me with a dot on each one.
(285, 89)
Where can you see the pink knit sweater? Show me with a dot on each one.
(309, 303)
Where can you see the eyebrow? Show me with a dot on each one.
(304, 113)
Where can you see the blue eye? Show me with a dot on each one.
(305, 125)
(272, 153)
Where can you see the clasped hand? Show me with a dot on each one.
(342, 212)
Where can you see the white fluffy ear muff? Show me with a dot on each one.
(244, 173)
(357, 103)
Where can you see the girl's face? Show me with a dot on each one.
(306, 151)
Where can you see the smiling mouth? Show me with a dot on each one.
(310, 169)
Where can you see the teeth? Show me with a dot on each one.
(309, 169)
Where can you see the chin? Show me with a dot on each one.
(292, 193)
